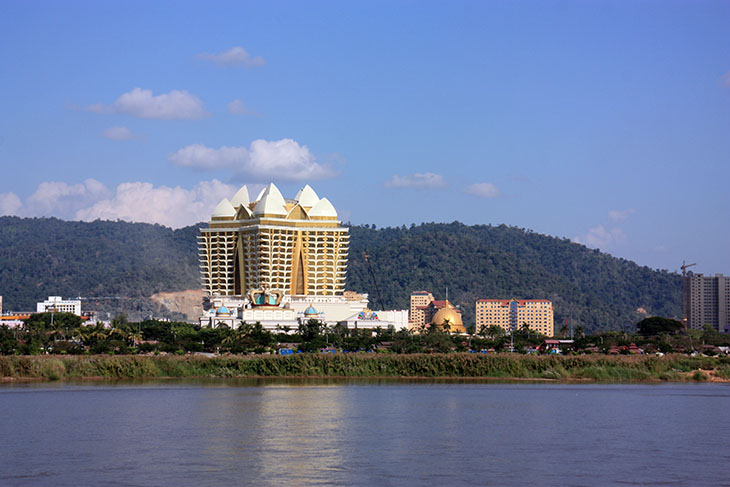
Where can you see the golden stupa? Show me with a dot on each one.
(448, 319)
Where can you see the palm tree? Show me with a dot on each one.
(119, 334)
(98, 333)
(564, 331)
(136, 337)
(446, 325)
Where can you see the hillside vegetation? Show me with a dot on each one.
(41, 257)
(46, 256)
(588, 287)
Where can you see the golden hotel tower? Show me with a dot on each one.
(293, 247)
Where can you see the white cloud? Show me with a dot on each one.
(601, 237)
(238, 107)
(178, 104)
(118, 133)
(483, 190)
(607, 235)
(134, 201)
(236, 56)
(616, 216)
(9, 204)
(199, 156)
(173, 207)
(53, 198)
(281, 159)
(418, 181)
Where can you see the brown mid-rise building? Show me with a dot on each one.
(511, 314)
(426, 311)
(417, 313)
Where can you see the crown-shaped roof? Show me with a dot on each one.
(271, 202)
(323, 208)
(224, 208)
(241, 197)
(307, 197)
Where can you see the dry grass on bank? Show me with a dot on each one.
(462, 365)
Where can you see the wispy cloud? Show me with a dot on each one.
(617, 216)
(282, 159)
(236, 56)
(417, 181)
(140, 103)
(599, 236)
(520, 178)
(725, 80)
(483, 190)
(118, 133)
(238, 107)
(609, 234)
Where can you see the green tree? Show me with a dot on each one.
(311, 330)
(42, 321)
(656, 325)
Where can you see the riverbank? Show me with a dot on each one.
(603, 368)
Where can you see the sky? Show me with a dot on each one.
(604, 122)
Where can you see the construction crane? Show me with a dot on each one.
(380, 298)
(684, 268)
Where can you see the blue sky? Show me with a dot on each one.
(603, 122)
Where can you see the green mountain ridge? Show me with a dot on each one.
(131, 261)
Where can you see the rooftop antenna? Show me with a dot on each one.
(380, 298)
(684, 268)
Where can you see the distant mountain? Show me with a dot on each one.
(130, 262)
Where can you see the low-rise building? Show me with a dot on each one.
(59, 305)
(370, 320)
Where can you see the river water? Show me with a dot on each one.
(365, 433)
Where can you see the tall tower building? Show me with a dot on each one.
(282, 247)
(708, 301)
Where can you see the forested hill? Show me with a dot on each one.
(590, 288)
(41, 257)
(46, 256)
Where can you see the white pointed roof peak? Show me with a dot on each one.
(261, 194)
(307, 197)
(323, 208)
(241, 197)
(224, 208)
(243, 212)
(271, 202)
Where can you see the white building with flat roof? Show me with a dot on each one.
(59, 305)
